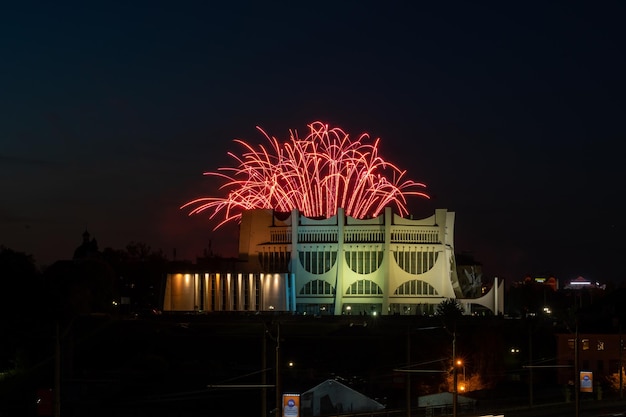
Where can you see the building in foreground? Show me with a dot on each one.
(340, 265)
(599, 356)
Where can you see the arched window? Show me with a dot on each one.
(317, 287)
(364, 261)
(364, 287)
(317, 262)
(416, 287)
(414, 260)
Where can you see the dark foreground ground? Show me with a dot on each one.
(199, 365)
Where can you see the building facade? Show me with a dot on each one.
(599, 355)
(340, 265)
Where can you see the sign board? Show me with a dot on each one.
(291, 405)
(586, 381)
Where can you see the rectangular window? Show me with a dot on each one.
(585, 344)
(600, 345)
(420, 262)
(314, 264)
(571, 343)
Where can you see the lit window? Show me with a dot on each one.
(585, 344)
(600, 345)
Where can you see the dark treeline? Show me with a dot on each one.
(37, 302)
(117, 352)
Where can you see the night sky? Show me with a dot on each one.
(512, 114)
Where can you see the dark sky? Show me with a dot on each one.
(512, 114)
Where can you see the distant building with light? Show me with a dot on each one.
(581, 283)
(602, 355)
(340, 265)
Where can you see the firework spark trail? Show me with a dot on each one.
(316, 175)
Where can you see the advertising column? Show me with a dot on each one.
(586, 381)
(291, 405)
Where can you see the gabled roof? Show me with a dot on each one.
(442, 399)
(341, 397)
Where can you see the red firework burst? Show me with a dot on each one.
(316, 175)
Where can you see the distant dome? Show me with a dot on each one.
(88, 249)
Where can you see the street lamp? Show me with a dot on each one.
(454, 369)
(278, 387)
(277, 369)
(459, 363)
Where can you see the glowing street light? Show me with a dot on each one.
(458, 364)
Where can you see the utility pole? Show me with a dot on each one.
(278, 396)
(408, 374)
(57, 371)
(576, 374)
(454, 376)
(621, 364)
(530, 367)
(264, 374)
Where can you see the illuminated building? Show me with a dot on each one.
(339, 265)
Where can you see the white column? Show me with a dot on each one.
(386, 264)
(287, 292)
(292, 287)
(293, 268)
(262, 292)
(341, 219)
(495, 295)
(218, 292)
(229, 292)
(240, 293)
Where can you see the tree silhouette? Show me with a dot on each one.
(20, 283)
(140, 272)
(450, 311)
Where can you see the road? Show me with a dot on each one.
(587, 409)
